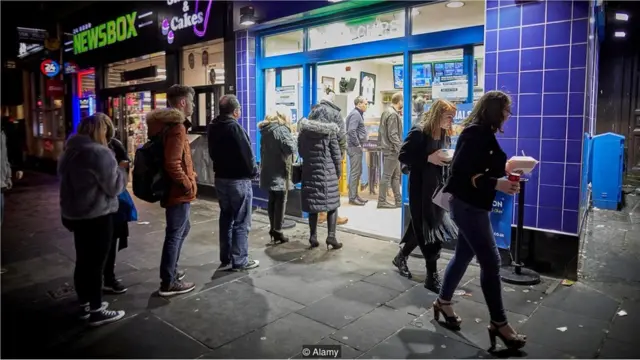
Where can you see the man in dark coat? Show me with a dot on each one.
(356, 136)
(390, 140)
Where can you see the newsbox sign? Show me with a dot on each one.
(89, 36)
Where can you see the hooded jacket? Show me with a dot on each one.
(230, 150)
(277, 146)
(331, 112)
(321, 164)
(178, 164)
(90, 179)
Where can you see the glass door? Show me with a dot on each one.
(135, 107)
(205, 105)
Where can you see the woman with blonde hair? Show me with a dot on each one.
(422, 154)
(90, 181)
(277, 146)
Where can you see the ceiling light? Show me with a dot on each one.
(455, 4)
(247, 16)
(620, 34)
(622, 17)
(334, 1)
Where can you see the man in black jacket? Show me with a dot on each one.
(234, 167)
(356, 136)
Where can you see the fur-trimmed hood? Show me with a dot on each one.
(159, 118)
(318, 127)
(269, 125)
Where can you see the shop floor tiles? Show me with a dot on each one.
(371, 220)
(281, 339)
(213, 317)
(348, 304)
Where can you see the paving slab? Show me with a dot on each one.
(21, 273)
(372, 328)
(582, 337)
(280, 339)
(390, 279)
(302, 283)
(624, 328)
(415, 301)
(414, 343)
(614, 349)
(129, 339)
(582, 300)
(346, 351)
(138, 298)
(220, 315)
(348, 304)
(516, 299)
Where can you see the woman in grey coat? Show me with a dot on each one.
(277, 146)
(319, 148)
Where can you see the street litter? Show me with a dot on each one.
(345, 338)
(599, 226)
(143, 223)
(525, 290)
(567, 282)
(563, 329)
(418, 324)
(508, 289)
(459, 292)
(443, 346)
(263, 338)
(622, 313)
(478, 321)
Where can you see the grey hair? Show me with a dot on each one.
(359, 100)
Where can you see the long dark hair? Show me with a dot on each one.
(489, 110)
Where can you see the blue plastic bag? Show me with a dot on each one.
(127, 209)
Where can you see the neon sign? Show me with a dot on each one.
(188, 19)
(50, 68)
(87, 38)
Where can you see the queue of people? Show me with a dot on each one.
(94, 171)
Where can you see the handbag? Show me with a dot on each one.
(296, 172)
(440, 197)
(127, 209)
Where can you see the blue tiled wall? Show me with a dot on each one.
(537, 52)
(246, 81)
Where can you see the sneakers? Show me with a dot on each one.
(104, 316)
(114, 287)
(181, 274)
(177, 288)
(251, 264)
(84, 310)
(225, 267)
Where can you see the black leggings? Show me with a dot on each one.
(430, 251)
(276, 208)
(93, 239)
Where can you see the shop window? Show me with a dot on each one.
(357, 31)
(203, 64)
(116, 70)
(282, 44)
(478, 86)
(48, 112)
(284, 87)
(439, 17)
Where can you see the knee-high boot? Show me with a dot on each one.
(332, 222)
(313, 230)
(280, 198)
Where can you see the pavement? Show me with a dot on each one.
(352, 297)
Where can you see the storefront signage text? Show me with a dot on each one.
(377, 29)
(188, 20)
(87, 38)
(50, 68)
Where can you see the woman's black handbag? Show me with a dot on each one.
(296, 173)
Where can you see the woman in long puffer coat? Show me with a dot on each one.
(319, 148)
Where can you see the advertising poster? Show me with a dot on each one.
(501, 218)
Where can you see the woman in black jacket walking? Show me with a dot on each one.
(319, 148)
(477, 172)
(422, 153)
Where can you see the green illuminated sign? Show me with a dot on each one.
(111, 32)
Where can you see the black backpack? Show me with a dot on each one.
(150, 182)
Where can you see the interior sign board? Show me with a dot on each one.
(32, 35)
(89, 37)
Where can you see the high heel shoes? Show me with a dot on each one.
(333, 242)
(313, 241)
(452, 322)
(277, 237)
(516, 342)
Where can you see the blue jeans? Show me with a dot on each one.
(178, 227)
(234, 197)
(475, 237)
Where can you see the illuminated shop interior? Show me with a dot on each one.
(346, 57)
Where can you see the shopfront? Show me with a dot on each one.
(123, 58)
(535, 51)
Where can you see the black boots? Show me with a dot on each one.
(432, 282)
(276, 207)
(332, 222)
(313, 231)
(400, 261)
